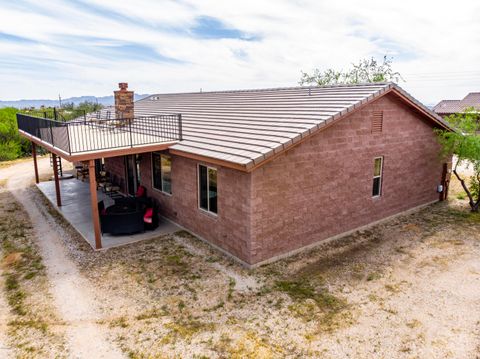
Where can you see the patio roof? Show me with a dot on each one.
(76, 210)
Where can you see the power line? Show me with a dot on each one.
(467, 80)
(443, 72)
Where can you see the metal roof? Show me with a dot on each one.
(247, 127)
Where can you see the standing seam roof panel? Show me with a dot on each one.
(246, 127)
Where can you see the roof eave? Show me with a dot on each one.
(421, 108)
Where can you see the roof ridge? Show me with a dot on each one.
(363, 84)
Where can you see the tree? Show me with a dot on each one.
(11, 144)
(465, 144)
(71, 111)
(367, 70)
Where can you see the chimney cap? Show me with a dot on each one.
(123, 85)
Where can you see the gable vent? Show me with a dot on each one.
(377, 122)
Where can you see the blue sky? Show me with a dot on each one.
(85, 47)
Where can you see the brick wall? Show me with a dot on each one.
(230, 229)
(323, 187)
(320, 188)
(116, 167)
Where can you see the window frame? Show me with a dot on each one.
(161, 190)
(206, 211)
(380, 177)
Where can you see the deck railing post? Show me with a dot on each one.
(130, 130)
(68, 139)
(180, 134)
(51, 133)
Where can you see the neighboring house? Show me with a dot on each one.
(261, 174)
(449, 107)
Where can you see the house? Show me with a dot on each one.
(261, 174)
(449, 107)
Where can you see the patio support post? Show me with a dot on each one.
(35, 166)
(94, 203)
(57, 182)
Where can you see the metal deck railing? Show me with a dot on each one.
(96, 134)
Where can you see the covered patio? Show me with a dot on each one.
(84, 141)
(76, 209)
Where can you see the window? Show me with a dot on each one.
(207, 188)
(162, 172)
(377, 177)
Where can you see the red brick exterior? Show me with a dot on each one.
(316, 190)
(323, 187)
(230, 229)
(115, 166)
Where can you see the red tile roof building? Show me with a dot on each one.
(448, 107)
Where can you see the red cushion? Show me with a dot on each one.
(147, 218)
(140, 191)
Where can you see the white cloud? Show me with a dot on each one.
(434, 45)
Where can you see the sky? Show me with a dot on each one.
(86, 47)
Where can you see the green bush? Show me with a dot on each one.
(12, 145)
(10, 150)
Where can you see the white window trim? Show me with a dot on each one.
(379, 176)
(161, 173)
(210, 213)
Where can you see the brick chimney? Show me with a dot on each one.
(123, 102)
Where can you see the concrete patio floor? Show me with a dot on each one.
(76, 209)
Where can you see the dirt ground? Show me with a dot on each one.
(406, 288)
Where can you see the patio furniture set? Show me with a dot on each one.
(129, 215)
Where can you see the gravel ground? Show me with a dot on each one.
(406, 288)
(29, 326)
(65, 291)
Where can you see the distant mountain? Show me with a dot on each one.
(104, 100)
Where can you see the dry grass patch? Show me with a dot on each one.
(247, 345)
